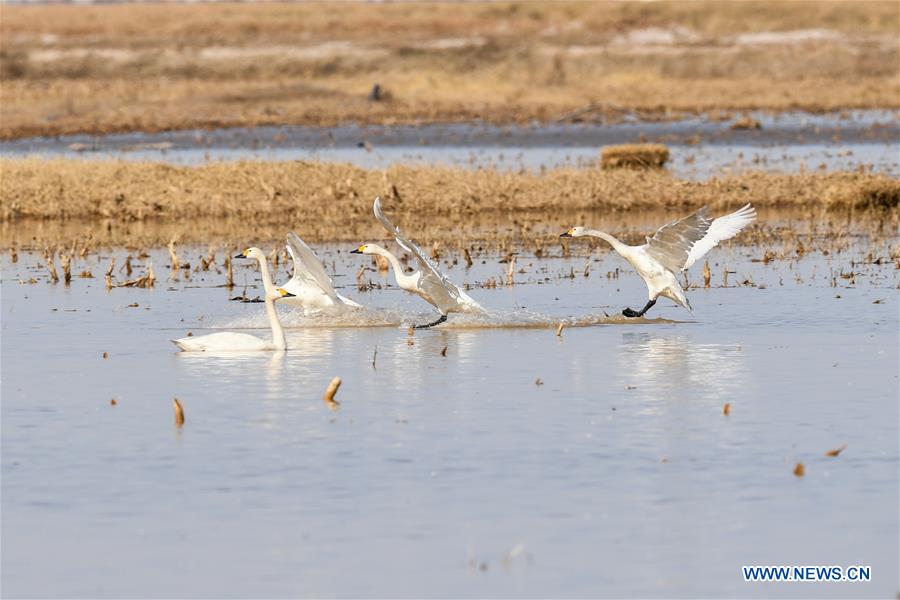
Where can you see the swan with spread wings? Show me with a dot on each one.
(674, 248)
(310, 285)
(428, 281)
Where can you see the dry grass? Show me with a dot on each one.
(103, 68)
(634, 156)
(337, 192)
(154, 203)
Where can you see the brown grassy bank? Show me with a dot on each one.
(103, 68)
(331, 200)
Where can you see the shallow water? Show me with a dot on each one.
(456, 475)
(700, 148)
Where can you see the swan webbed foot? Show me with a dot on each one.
(630, 313)
(438, 322)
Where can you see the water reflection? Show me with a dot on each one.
(232, 367)
(659, 367)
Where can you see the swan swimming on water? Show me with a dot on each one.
(674, 248)
(310, 285)
(228, 341)
(428, 282)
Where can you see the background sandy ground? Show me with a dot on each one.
(105, 68)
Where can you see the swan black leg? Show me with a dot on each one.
(630, 313)
(438, 322)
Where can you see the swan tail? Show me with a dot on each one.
(347, 301)
(183, 344)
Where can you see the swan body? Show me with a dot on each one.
(428, 282)
(310, 285)
(227, 341)
(672, 249)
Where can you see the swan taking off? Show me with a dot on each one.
(674, 248)
(227, 341)
(310, 285)
(428, 282)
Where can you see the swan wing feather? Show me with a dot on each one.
(307, 266)
(722, 228)
(444, 294)
(671, 245)
(425, 265)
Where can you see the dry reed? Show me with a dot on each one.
(109, 273)
(179, 412)
(162, 66)
(634, 156)
(836, 451)
(338, 194)
(330, 392)
(51, 267)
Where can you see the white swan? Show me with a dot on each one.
(674, 248)
(428, 282)
(228, 341)
(310, 285)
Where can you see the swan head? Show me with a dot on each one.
(574, 232)
(368, 249)
(279, 293)
(252, 252)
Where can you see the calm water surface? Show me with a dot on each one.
(453, 475)
(700, 148)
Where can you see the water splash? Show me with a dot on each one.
(387, 317)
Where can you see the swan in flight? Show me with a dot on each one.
(428, 282)
(674, 248)
(310, 285)
(228, 341)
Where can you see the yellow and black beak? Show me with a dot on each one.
(285, 294)
(242, 254)
(358, 250)
(566, 234)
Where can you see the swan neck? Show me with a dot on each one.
(605, 236)
(277, 332)
(268, 286)
(398, 268)
(269, 290)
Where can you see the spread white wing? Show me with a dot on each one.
(431, 280)
(679, 245)
(671, 244)
(723, 228)
(308, 269)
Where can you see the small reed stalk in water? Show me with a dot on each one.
(229, 273)
(836, 451)
(467, 257)
(54, 276)
(172, 255)
(330, 392)
(109, 273)
(65, 262)
(179, 412)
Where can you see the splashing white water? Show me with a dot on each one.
(386, 317)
